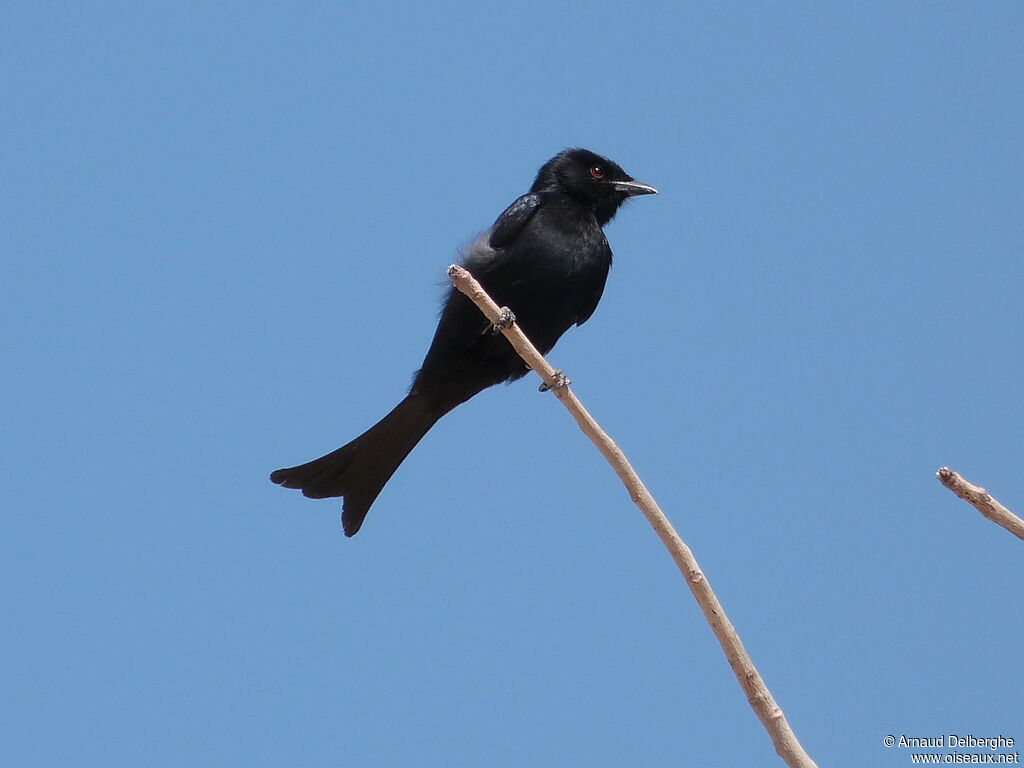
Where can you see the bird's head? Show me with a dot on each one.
(595, 181)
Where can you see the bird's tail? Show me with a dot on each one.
(358, 471)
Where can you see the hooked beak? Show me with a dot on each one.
(632, 188)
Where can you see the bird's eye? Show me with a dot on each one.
(597, 172)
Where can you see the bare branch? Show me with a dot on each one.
(982, 501)
(760, 698)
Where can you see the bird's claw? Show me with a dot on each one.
(505, 321)
(561, 381)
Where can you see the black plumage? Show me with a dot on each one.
(545, 258)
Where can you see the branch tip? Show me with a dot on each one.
(981, 500)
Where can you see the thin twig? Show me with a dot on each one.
(982, 501)
(760, 698)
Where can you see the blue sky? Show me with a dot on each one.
(225, 234)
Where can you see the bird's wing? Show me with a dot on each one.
(512, 220)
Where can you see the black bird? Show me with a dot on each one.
(545, 258)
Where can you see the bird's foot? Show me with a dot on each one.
(561, 381)
(504, 322)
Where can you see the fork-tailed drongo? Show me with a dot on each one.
(545, 258)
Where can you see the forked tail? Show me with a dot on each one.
(360, 470)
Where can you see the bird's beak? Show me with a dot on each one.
(632, 188)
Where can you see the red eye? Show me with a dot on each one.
(597, 172)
